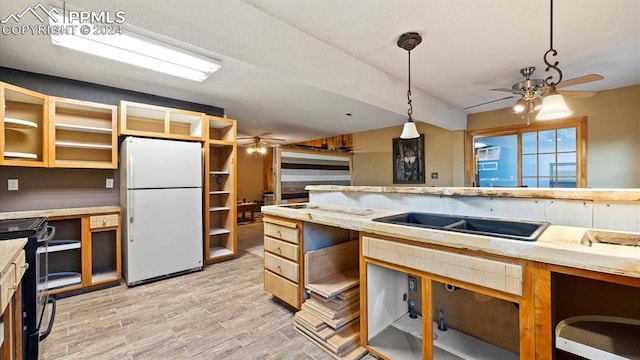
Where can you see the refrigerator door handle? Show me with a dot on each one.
(130, 211)
(130, 166)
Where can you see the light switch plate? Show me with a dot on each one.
(109, 184)
(12, 184)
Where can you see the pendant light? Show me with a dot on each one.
(553, 105)
(409, 41)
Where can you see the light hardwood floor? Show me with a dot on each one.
(221, 312)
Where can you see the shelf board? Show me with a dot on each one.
(219, 251)
(82, 128)
(219, 231)
(219, 208)
(101, 275)
(79, 145)
(20, 155)
(13, 123)
(220, 172)
(219, 192)
(62, 279)
(59, 245)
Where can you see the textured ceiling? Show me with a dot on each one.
(295, 68)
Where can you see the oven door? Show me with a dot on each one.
(42, 271)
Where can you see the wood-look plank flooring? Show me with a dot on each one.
(221, 312)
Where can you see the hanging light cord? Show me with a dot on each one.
(410, 111)
(551, 52)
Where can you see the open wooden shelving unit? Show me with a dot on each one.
(220, 162)
(160, 122)
(23, 119)
(82, 134)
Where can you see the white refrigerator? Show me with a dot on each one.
(161, 197)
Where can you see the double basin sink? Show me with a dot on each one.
(510, 229)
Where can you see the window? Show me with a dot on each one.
(545, 155)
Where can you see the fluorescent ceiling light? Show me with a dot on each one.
(140, 51)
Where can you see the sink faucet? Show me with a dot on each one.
(412, 309)
(441, 325)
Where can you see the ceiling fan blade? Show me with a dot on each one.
(579, 80)
(581, 94)
(489, 102)
(272, 139)
(514, 91)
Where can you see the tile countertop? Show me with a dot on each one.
(59, 212)
(8, 251)
(559, 245)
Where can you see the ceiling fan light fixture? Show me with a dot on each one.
(553, 107)
(537, 104)
(519, 106)
(408, 41)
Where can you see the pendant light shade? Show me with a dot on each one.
(553, 107)
(409, 41)
(409, 131)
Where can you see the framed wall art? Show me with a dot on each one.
(408, 161)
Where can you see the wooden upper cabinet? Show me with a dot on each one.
(23, 127)
(160, 122)
(82, 134)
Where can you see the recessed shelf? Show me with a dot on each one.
(83, 128)
(59, 245)
(219, 192)
(61, 279)
(219, 251)
(79, 145)
(13, 123)
(103, 275)
(20, 155)
(218, 231)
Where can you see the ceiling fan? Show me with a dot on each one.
(531, 90)
(258, 143)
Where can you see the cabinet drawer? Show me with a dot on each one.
(7, 285)
(281, 266)
(281, 248)
(282, 288)
(281, 232)
(101, 221)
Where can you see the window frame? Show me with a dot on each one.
(580, 123)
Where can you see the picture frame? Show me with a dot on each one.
(408, 161)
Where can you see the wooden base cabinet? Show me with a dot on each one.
(283, 260)
(420, 302)
(85, 251)
(11, 307)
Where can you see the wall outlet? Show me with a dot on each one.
(434, 175)
(12, 184)
(109, 184)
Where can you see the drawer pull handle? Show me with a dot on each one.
(279, 233)
(104, 222)
(25, 266)
(280, 251)
(15, 286)
(279, 269)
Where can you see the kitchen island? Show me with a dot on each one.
(569, 271)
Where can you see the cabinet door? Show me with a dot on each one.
(23, 127)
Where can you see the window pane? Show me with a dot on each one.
(529, 165)
(546, 182)
(547, 141)
(530, 142)
(497, 161)
(566, 164)
(546, 165)
(566, 182)
(530, 181)
(567, 139)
